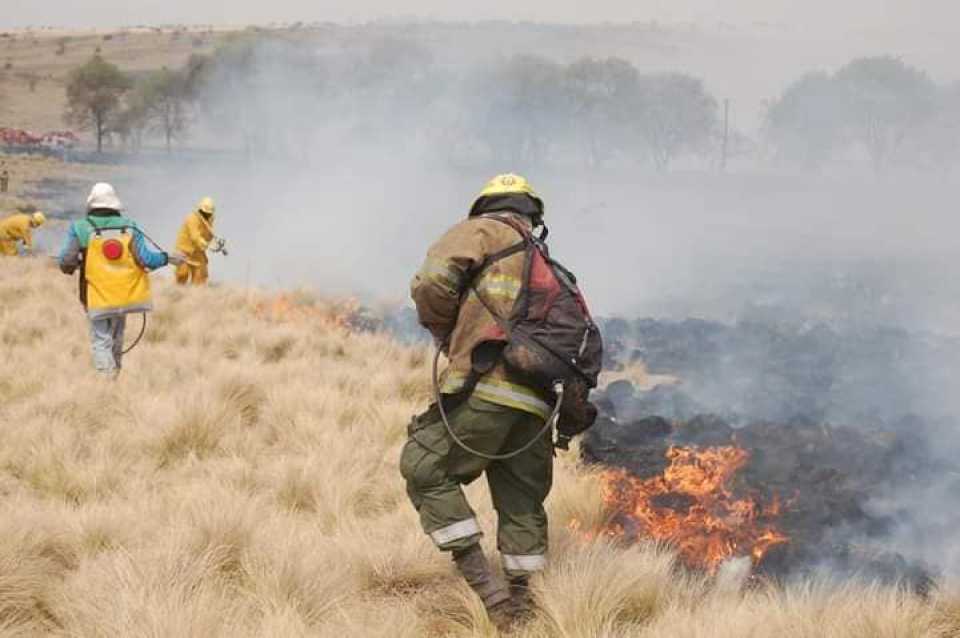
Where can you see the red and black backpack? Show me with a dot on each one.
(549, 335)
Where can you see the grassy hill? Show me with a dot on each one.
(240, 479)
(34, 65)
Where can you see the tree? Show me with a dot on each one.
(133, 120)
(937, 143)
(522, 102)
(165, 94)
(94, 97)
(806, 124)
(195, 72)
(602, 96)
(390, 86)
(676, 116)
(230, 86)
(885, 100)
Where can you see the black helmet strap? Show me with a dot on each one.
(544, 231)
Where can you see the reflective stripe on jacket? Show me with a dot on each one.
(445, 294)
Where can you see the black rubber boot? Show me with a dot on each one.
(521, 600)
(476, 570)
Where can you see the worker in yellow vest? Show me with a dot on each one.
(114, 259)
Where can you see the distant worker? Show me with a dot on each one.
(194, 239)
(492, 415)
(4, 180)
(112, 255)
(19, 228)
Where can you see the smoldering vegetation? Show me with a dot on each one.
(849, 436)
(763, 369)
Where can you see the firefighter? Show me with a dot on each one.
(193, 240)
(114, 259)
(491, 412)
(19, 228)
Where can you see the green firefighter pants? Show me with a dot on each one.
(435, 467)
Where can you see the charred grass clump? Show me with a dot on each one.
(240, 479)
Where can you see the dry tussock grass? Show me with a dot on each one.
(241, 480)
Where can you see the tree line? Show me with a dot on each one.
(277, 97)
(110, 103)
(879, 107)
(272, 96)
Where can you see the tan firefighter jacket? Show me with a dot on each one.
(448, 306)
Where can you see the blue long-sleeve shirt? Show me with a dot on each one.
(78, 237)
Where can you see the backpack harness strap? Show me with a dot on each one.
(489, 260)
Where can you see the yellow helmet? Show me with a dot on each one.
(207, 206)
(38, 218)
(507, 184)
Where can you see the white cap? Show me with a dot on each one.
(103, 196)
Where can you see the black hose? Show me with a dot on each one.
(143, 330)
(152, 241)
(490, 457)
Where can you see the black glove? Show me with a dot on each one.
(577, 414)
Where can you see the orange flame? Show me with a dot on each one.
(293, 308)
(691, 505)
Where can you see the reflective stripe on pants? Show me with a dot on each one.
(524, 563)
(455, 532)
(435, 468)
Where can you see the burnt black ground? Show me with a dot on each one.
(834, 421)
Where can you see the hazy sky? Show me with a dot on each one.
(830, 15)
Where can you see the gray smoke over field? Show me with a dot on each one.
(337, 156)
(380, 138)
